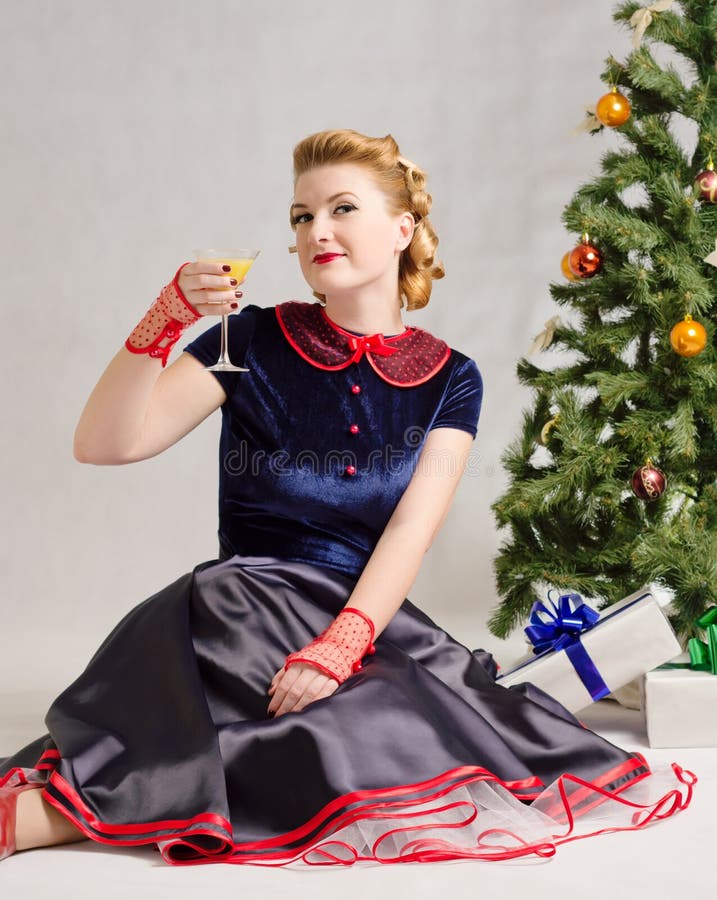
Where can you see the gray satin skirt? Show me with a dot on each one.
(165, 739)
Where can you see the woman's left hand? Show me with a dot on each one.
(294, 688)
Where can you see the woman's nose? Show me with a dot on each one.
(320, 229)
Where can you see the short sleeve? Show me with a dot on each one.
(207, 347)
(462, 401)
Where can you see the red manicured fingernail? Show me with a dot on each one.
(235, 306)
(226, 268)
(238, 293)
(232, 281)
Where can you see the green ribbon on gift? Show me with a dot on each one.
(703, 654)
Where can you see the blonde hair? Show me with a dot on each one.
(403, 184)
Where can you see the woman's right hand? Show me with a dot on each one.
(208, 288)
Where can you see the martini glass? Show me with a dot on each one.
(239, 260)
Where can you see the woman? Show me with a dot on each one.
(341, 450)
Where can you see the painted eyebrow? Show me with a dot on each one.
(330, 200)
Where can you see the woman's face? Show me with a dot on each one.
(347, 239)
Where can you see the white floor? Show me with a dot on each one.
(664, 861)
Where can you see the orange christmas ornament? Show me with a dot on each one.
(613, 109)
(585, 260)
(688, 338)
(565, 268)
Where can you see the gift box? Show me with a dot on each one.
(680, 708)
(583, 655)
(680, 698)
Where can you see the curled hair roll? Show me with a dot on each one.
(418, 267)
(402, 182)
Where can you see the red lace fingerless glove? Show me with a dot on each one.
(338, 650)
(160, 327)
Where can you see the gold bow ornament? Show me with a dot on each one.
(543, 340)
(642, 18)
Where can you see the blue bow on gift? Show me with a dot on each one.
(559, 628)
(564, 624)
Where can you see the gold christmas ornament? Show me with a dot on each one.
(613, 109)
(688, 338)
(547, 428)
(565, 268)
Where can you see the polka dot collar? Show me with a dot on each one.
(404, 360)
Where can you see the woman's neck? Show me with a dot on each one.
(365, 317)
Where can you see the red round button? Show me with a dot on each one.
(350, 470)
(355, 388)
(354, 429)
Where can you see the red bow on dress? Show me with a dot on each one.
(363, 343)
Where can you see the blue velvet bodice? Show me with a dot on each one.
(287, 446)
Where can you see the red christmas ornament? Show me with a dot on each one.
(648, 482)
(585, 260)
(706, 183)
(613, 109)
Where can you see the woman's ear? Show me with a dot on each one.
(407, 226)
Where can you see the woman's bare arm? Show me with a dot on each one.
(138, 409)
(418, 517)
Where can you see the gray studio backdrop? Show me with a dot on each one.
(135, 131)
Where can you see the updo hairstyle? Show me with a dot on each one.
(403, 184)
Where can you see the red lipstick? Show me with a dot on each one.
(321, 258)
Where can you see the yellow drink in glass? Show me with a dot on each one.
(239, 267)
(239, 261)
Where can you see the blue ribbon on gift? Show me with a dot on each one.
(559, 628)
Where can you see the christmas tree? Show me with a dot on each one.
(613, 478)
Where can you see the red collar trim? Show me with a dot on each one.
(403, 360)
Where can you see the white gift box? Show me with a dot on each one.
(680, 708)
(630, 638)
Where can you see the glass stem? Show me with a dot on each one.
(224, 356)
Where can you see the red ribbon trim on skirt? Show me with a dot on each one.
(567, 808)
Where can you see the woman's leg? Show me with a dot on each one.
(37, 824)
